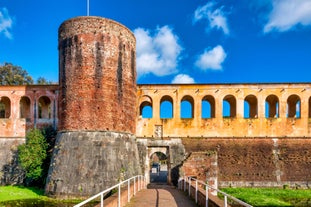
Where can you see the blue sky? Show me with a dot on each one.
(178, 41)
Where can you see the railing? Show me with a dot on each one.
(139, 181)
(182, 185)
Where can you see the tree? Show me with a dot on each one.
(14, 75)
(33, 153)
(43, 81)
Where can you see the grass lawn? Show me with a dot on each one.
(271, 196)
(28, 196)
(8, 193)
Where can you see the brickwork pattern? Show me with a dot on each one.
(97, 75)
(258, 162)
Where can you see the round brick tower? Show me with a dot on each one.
(95, 146)
(97, 75)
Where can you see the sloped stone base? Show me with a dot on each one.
(86, 163)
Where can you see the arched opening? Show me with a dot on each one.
(145, 108)
(44, 108)
(229, 107)
(250, 107)
(186, 107)
(158, 167)
(24, 105)
(272, 107)
(5, 107)
(208, 107)
(293, 107)
(166, 107)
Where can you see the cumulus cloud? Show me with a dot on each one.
(216, 17)
(157, 53)
(182, 78)
(286, 14)
(5, 23)
(211, 59)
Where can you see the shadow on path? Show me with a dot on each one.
(161, 195)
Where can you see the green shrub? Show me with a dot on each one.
(33, 153)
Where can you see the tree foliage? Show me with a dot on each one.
(43, 81)
(14, 75)
(33, 153)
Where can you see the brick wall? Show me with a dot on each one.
(257, 161)
(97, 75)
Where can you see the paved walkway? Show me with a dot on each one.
(161, 195)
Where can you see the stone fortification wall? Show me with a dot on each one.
(10, 172)
(257, 161)
(97, 75)
(86, 163)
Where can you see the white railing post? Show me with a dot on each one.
(134, 186)
(128, 190)
(119, 195)
(206, 196)
(196, 191)
(225, 200)
(102, 200)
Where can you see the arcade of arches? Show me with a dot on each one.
(233, 110)
(26, 107)
(259, 133)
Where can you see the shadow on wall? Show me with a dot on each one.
(175, 174)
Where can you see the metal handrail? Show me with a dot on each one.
(226, 196)
(138, 178)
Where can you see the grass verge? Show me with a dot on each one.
(8, 193)
(271, 196)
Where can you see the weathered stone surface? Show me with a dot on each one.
(86, 163)
(10, 171)
(172, 148)
(257, 161)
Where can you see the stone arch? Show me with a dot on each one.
(166, 107)
(24, 107)
(250, 107)
(5, 107)
(229, 106)
(145, 107)
(187, 107)
(272, 106)
(44, 107)
(293, 106)
(208, 107)
(159, 170)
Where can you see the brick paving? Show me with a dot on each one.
(160, 195)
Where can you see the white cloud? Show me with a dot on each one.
(211, 59)
(182, 78)
(5, 23)
(288, 13)
(158, 53)
(215, 17)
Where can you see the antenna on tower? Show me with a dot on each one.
(88, 7)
